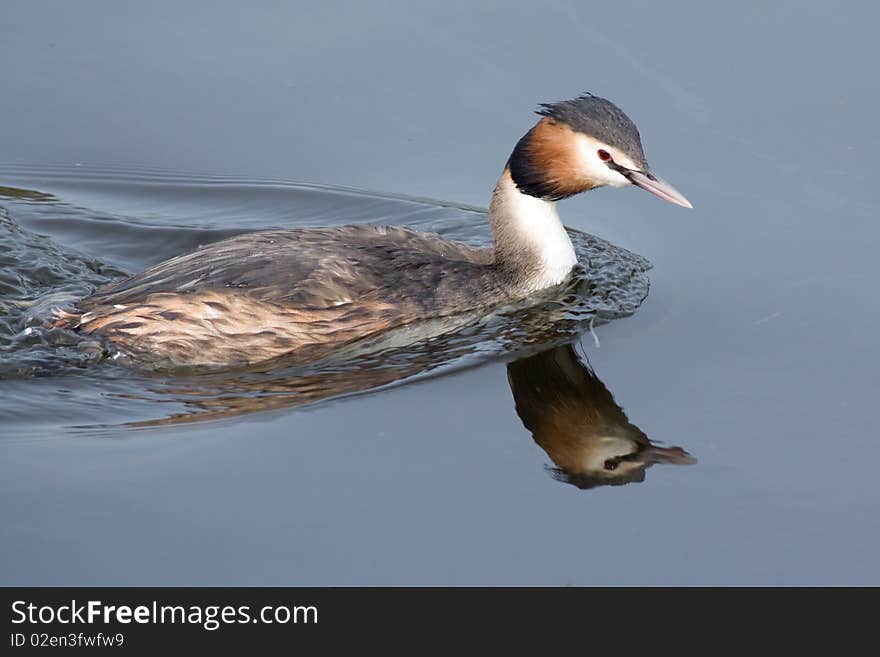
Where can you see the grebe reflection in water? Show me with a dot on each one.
(574, 418)
(570, 413)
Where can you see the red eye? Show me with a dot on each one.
(605, 156)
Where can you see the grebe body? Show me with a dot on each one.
(298, 292)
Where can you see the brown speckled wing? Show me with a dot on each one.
(261, 295)
(313, 267)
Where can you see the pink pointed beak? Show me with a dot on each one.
(657, 186)
(658, 454)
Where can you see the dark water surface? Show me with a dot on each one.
(131, 134)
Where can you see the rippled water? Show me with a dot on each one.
(83, 228)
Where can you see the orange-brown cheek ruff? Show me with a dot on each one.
(546, 162)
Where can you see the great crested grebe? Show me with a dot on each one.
(271, 293)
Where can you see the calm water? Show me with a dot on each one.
(128, 137)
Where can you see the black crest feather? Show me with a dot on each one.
(599, 118)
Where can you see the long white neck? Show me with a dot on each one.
(530, 241)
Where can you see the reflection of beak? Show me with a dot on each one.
(656, 454)
(657, 186)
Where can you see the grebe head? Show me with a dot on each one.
(582, 144)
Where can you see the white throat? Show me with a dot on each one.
(529, 238)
